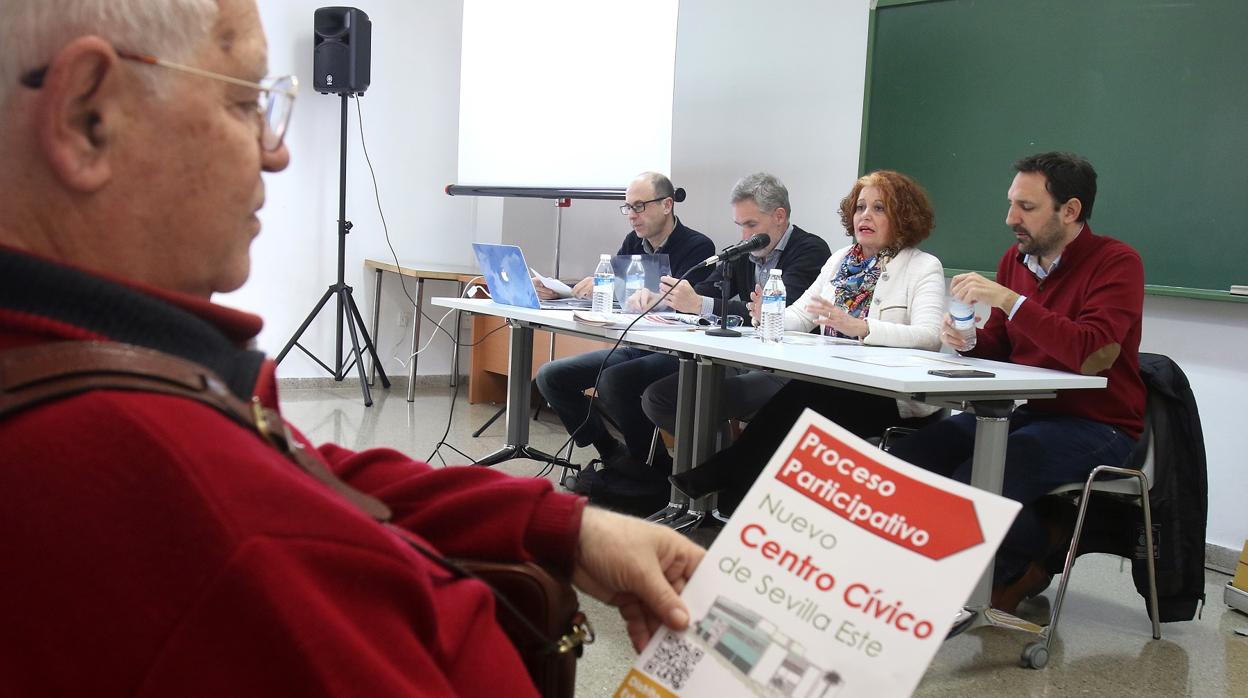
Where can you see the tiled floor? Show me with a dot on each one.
(1105, 647)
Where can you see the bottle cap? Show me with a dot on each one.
(776, 272)
(636, 256)
(604, 257)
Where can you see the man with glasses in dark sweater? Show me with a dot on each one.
(625, 480)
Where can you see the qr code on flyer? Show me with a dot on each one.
(673, 661)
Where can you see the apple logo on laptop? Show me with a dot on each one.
(503, 274)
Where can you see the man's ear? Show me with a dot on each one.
(1071, 210)
(780, 215)
(78, 111)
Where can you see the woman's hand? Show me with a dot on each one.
(828, 314)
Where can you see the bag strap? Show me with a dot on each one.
(34, 375)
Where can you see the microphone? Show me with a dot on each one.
(731, 252)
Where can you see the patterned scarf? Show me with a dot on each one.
(855, 282)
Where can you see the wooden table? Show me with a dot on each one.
(421, 272)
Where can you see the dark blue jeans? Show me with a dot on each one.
(1043, 451)
(628, 373)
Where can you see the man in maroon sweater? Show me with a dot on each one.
(1064, 299)
(152, 546)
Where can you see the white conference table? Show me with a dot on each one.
(703, 359)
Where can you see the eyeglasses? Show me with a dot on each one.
(274, 104)
(639, 206)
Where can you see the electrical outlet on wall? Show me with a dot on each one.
(405, 318)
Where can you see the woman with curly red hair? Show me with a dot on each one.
(881, 290)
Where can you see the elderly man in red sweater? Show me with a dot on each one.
(151, 544)
(1065, 299)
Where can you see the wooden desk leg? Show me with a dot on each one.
(372, 366)
(411, 367)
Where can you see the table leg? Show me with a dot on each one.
(710, 378)
(519, 391)
(411, 367)
(459, 321)
(372, 366)
(686, 382)
(992, 432)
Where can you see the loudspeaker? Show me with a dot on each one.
(341, 50)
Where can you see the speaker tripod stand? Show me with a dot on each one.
(347, 312)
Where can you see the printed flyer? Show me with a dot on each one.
(839, 574)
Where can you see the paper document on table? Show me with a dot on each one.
(650, 321)
(553, 284)
(810, 339)
(899, 360)
(839, 574)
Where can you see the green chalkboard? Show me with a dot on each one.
(1153, 93)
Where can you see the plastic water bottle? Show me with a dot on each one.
(634, 279)
(771, 327)
(604, 285)
(963, 316)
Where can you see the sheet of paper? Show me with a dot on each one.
(814, 340)
(553, 284)
(839, 574)
(650, 321)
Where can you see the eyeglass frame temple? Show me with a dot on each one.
(153, 60)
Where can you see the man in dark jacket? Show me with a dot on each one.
(649, 203)
(760, 204)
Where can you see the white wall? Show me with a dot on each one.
(779, 90)
(411, 120)
(1207, 340)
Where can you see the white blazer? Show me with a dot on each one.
(907, 307)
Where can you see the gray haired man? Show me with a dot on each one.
(760, 204)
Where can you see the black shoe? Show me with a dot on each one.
(629, 496)
(705, 479)
(580, 481)
(625, 464)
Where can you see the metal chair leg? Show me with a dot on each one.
(1148, 548)
(654, 447)
(1051, 631)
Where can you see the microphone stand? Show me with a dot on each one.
(725, 287)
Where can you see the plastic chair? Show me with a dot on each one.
(1135, 482)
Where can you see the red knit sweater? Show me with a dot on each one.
(1092, 302)
(151, 547)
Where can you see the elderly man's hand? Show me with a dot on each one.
(973, 288)
(638, 567)
(584, 288)
(683, 298)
